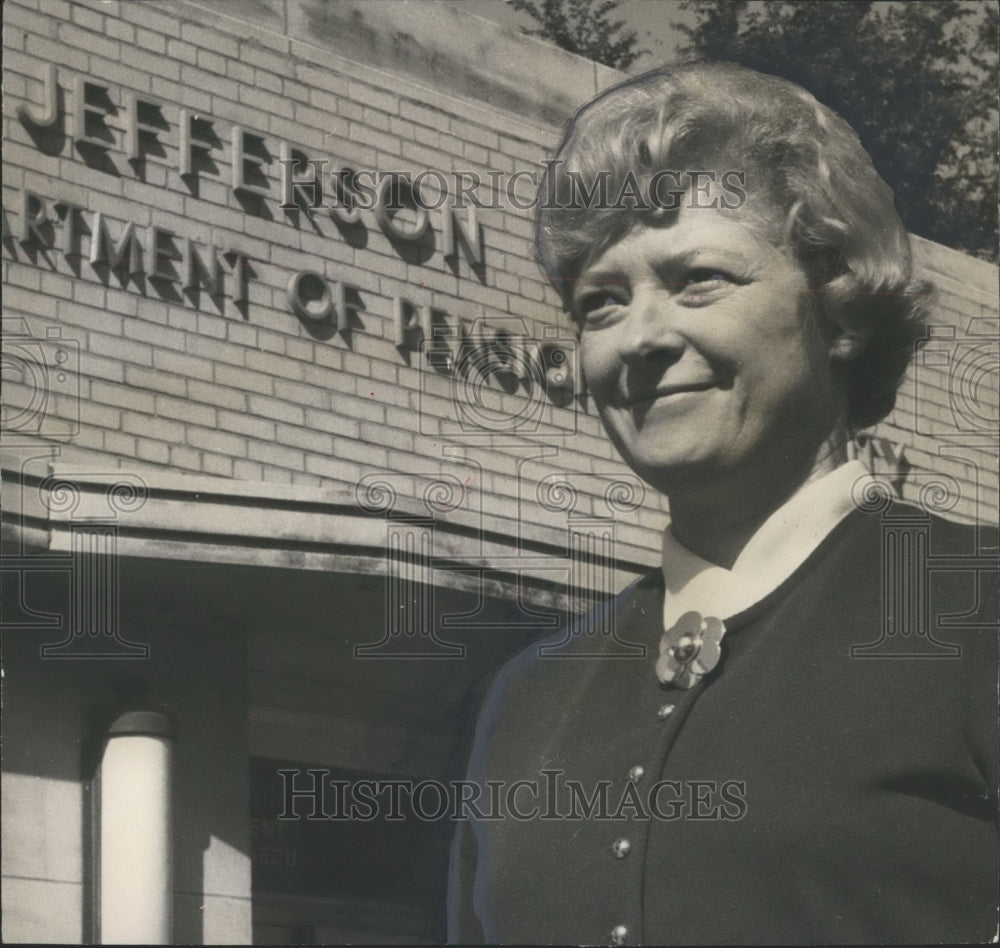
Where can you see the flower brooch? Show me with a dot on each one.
(690, 649)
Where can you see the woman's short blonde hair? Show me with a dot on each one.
(805, 179)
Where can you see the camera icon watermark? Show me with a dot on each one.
(957, 376)
(498, 379)
(41, 375)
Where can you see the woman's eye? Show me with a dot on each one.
(593, 302)
(706, 275)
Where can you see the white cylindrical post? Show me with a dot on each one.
(136, 860)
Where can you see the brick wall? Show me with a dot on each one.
(207, 386)
(171, 378)
(945, 424)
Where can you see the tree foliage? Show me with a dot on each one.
(584, 27)
(916, 80)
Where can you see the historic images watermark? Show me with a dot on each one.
(932, 594)
(312, 794)
(480, 379)
(349, 190)
(41, 373)
(418, 549)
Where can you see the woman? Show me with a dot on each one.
(757, 778)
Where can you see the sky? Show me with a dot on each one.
(651, 20)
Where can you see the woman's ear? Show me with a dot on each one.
(850, 332)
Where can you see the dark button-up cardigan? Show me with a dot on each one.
(832, 781)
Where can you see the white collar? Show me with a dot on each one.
(781, 544)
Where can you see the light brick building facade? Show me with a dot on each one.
(260, 458)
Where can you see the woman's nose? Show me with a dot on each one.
(649, 330)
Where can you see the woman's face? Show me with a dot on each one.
(703, 352)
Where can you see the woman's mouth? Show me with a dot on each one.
(666, 391)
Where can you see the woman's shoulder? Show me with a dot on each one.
(948, 536)
(593, 634)
(556, 667)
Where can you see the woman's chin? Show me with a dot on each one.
(669, 472)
